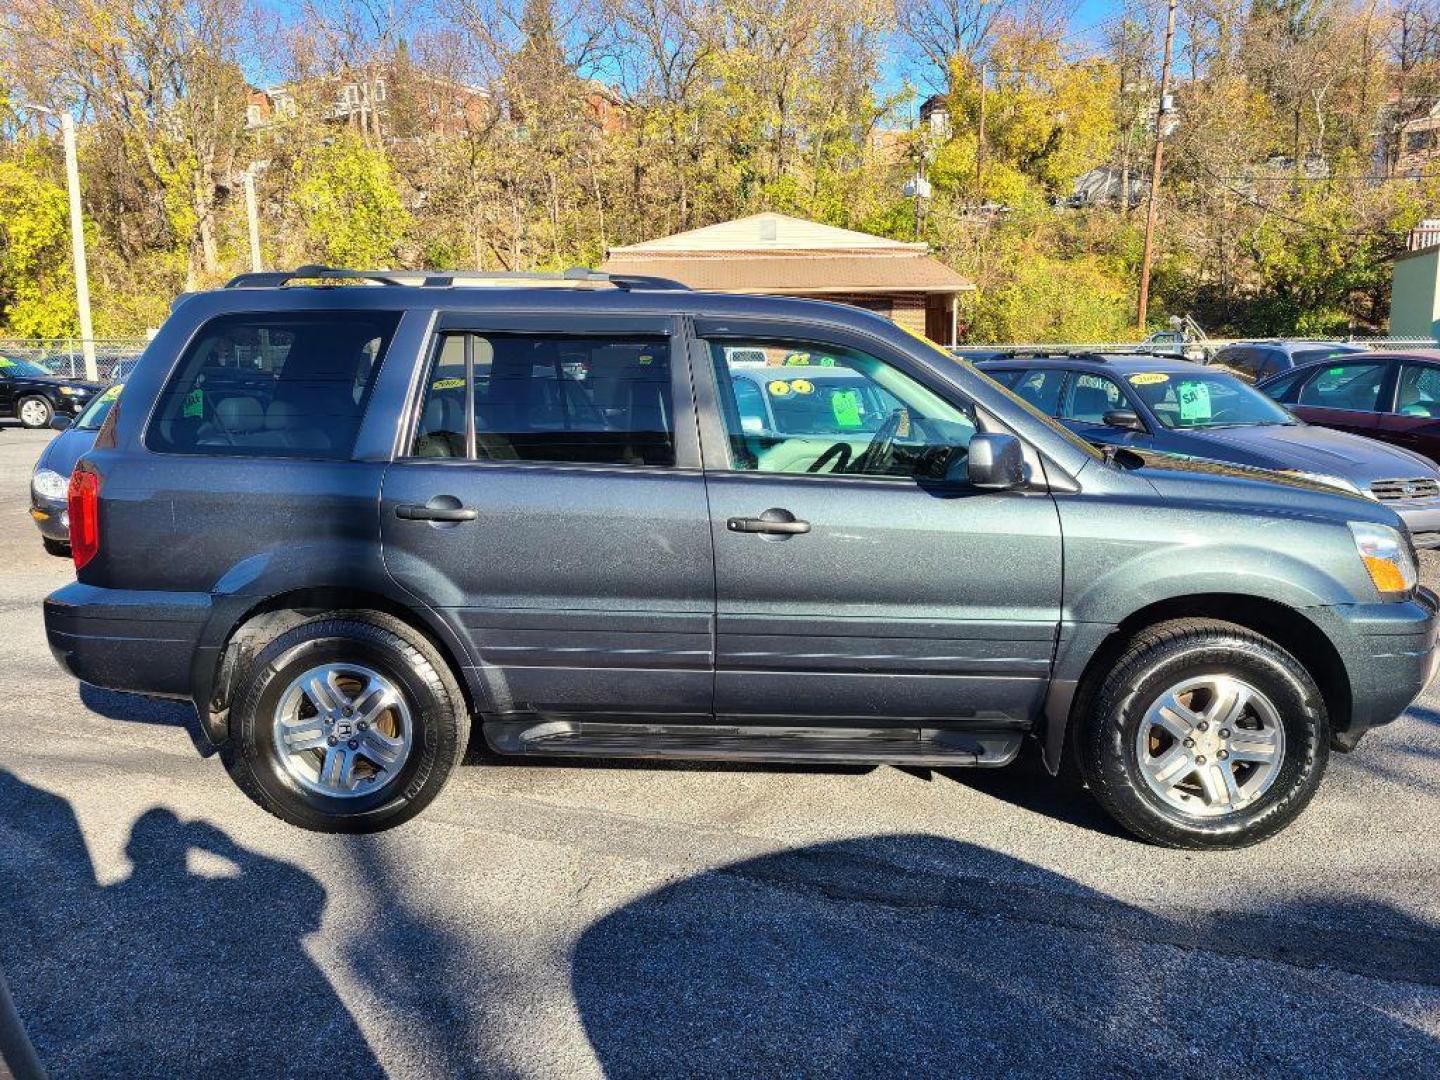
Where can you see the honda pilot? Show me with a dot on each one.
(612, 517)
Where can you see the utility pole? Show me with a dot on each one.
(252, 218)
(1150, 212)
(980, 138)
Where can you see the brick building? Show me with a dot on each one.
(787, 256)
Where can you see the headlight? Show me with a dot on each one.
(1329, 481)
(49, 484)
(1386, 555)
(73, 391)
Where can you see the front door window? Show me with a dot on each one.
(792, 408)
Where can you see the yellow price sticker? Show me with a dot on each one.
(447, 384)
(778, 388)
(802, 386)
(1149, 378)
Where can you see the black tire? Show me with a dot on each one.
(57, 548)
(1161, 657)
(34, 399)
(386, 645)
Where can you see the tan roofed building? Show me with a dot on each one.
(787, 256)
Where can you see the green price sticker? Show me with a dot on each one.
(195, 403)
(1194, 401)
(845, 404)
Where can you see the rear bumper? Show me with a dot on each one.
(1390, 653)
(119, 639)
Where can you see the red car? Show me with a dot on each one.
(1391, 396)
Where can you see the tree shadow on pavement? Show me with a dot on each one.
(192, 965)
(912, 954)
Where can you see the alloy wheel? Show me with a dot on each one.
(1210, 745)
(342, 730)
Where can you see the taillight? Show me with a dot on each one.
(84, 500)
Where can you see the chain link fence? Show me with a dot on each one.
(64, 356)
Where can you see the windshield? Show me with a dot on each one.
(95, 413)
(1184, 401)
(11, 366)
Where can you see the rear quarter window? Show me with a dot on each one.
(272, 385)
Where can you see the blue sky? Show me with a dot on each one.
(1089, 17)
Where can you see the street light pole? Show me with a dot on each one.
(77, 247)
(1152, 209)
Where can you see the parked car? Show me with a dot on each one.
(50, 483)
(541, 510)
(33, 396)
(1255, 361)
(1393, 396)
(1174, 343)
(1187, 409)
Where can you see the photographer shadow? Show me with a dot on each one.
(192, 964)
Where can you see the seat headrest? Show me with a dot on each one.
(239, 415)
(282, 416)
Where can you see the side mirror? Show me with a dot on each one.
(995, 461)
(60, 423)
(1125, 419)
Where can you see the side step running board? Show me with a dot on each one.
(717, 742)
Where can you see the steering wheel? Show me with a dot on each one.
(839, 450)
(882, 444)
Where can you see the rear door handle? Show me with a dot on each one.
(773, 522)
(417, 512)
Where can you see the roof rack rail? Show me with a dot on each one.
(579, 275)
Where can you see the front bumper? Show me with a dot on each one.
(1390, 653)
(121, 639)
(51, 517)
(1421, 517)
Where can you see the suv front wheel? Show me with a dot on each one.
(1205, 735)
(346, 723)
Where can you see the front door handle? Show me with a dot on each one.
(773, 522)
(444, 508)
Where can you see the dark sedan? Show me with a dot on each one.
(1255, 361)
(34, 396)
(50, 483)
(1198, 412)
(1392, 396)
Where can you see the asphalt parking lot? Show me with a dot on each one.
(628, 920)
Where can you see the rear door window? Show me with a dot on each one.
(1041, 388)
(273, 385)
(549, 397)
(1355, 387)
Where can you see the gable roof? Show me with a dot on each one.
(760, 233)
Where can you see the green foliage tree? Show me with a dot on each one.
(37, 292)
(349, 206)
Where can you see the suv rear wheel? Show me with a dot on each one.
(1205, 735)
(346, 723)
